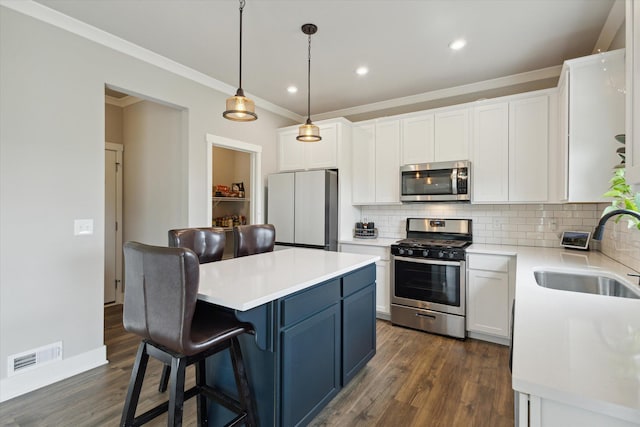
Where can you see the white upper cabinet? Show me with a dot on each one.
(451, 135)
(417, 139)
(376, 162)
(364, 164)
(592, 112)
(438, 136)
(295, 155)
(511, 139)
(632, 23)
(528, 149)
(387, 161)
(490, 160)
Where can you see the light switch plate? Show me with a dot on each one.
(83, 227)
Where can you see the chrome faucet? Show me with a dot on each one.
(599, 231)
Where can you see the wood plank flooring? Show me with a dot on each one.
(415, 379)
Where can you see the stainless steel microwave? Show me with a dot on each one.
(436, 182)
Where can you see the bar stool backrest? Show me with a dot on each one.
(207, 243)
(161, 294)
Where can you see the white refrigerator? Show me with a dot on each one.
(303, 207)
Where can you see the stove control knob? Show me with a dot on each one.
(425, 253)
(409, 251)
(452, 254)
(400, 251)
(440, 254)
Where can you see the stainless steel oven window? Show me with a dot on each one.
(435, 285)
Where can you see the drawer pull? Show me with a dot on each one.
(431, 316)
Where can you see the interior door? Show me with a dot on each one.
(112, 223)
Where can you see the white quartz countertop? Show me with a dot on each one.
(247, 282)
(369, 242)
(576, 348)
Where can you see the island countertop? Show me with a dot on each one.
(248, 282)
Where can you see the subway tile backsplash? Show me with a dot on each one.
(522, 225)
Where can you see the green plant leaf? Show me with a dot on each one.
(613, 193)
(624, 198)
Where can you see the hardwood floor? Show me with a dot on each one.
(415, 379)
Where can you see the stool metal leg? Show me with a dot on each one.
(176, 393)
(244, 392)
(135, 385)
(201, 380)
(164, 378)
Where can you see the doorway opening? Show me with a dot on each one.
(235, 182)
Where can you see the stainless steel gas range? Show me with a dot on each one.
(428, 276)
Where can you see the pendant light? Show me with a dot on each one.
(309, 132)
(239, 107)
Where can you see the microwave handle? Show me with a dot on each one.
(454, 181)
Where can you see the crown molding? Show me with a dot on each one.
(514, 79)
(121, 102)
(40, 12)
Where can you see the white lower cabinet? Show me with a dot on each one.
(536, 411)
(383, 268)
(490, 292)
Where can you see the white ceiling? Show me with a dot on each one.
(404, 43)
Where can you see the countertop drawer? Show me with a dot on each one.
(306, 303)
(489, 262)
(358, 280)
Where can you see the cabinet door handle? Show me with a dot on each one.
(431, 316)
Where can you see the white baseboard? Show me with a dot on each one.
(25, 382)
(489, 338)
(382, 314)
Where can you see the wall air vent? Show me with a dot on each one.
(35, 358)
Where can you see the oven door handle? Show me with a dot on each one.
(431, 316)
(427, 261)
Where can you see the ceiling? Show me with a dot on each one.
(403, 43)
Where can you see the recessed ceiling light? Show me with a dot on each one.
(458, 44)
(361, 71)
(292, 89)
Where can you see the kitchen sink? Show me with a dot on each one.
(585, 282)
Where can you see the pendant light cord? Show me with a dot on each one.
(309, 84)
(242, 2)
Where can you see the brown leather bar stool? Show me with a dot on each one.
(161, 306)
(253, 239)
(208, 244)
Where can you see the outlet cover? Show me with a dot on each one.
(83, 227)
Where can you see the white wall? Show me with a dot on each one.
(155, 185)
(52, 132)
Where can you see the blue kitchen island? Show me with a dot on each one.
(313, 313)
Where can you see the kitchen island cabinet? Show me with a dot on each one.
(313, 312)
(381, 248)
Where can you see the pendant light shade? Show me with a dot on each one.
(309, 132)
(239, 107)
